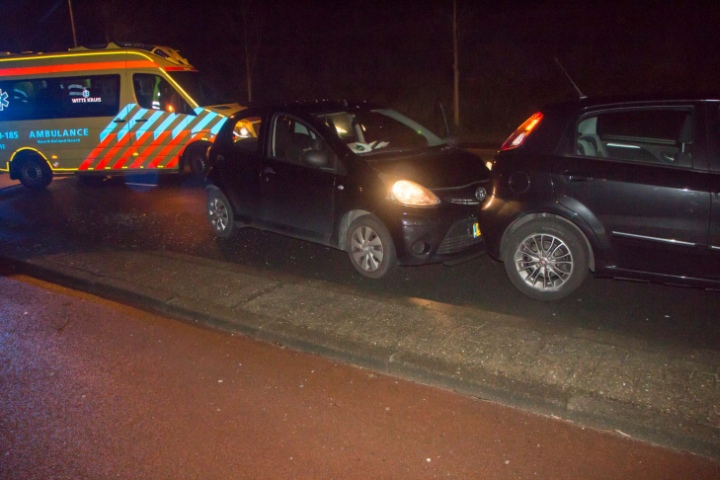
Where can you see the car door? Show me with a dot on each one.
(636, 177)
(713, 264)
(238, 165)
(297, 198)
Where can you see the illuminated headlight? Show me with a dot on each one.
(412, 194)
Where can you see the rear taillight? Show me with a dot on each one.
(523, 131)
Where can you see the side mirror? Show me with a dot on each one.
(315, 158)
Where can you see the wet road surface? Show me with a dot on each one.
(92, 389)
(169, 214)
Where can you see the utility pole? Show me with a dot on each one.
(249, 64)
(72, 22)
(456, 71)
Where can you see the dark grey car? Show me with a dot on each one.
(359, 178)
(621, 187)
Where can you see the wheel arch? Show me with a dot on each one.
(525, 219)
(21, 154)
(344, 225)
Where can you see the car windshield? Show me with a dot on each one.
(194, 86)
(368, 132)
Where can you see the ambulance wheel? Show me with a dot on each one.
(197, 164)
(194, 158)
(34, 172)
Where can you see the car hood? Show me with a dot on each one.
(445, 168)
(225, 109)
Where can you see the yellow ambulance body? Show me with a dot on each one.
(108, 111)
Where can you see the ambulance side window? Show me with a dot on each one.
(68, 97)
(95, 96)
(155, 93)
(20, 99)
(30, 99)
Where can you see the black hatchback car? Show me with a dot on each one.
(621, 187)
(363, 179)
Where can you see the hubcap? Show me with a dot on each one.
(544, 262)
(33, 172)
(367, 249)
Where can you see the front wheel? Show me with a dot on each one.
(546, 259)
(370, 247)
(220, 214)
(34, 173)
(194, 158)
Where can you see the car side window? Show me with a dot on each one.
(291, 139)
(652, 135)
(246, 134)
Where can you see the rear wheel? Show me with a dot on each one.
(34, 172)
(371, 248)
(220, 214)
(546, 259)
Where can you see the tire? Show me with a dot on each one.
(34, 172)
(198, 164)
(370, 247)
(221, 215)
(546, 259)
(195, 159)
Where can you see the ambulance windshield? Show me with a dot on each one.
(194, 86)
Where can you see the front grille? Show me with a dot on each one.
(464, 195)
(459, 237)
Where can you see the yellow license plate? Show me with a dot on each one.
(476, 230)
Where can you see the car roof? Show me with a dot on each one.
(308, 107)
(630, 100)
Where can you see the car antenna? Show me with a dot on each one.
(582, 96)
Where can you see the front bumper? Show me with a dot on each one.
(426, 239)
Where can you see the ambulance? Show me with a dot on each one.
(95, 112)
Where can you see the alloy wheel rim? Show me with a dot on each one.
(218, 215)
(544, 262)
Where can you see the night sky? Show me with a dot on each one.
(400, 53)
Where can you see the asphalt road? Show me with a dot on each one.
(94, 390)
(169, 214)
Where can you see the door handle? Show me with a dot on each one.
(141, 120)
(268, 171)
(120, 120)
